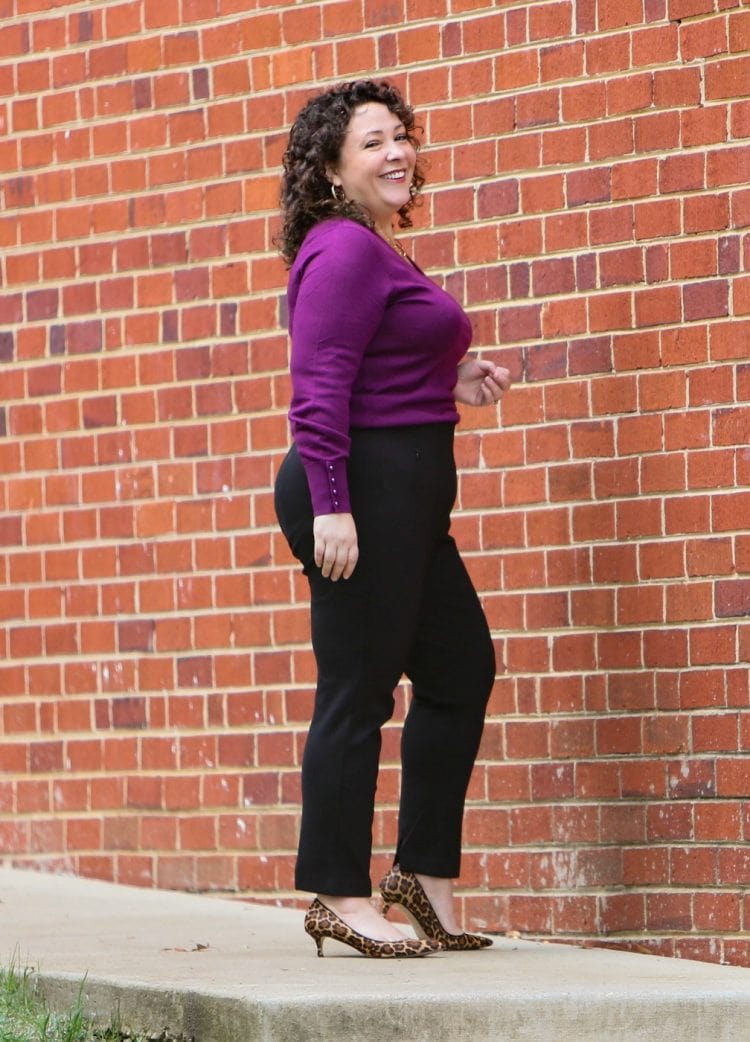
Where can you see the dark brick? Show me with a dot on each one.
(732, 597)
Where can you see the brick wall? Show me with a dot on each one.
(588, 203)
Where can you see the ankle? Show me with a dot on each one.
(345, 905)
(438, 885)
(439, 892)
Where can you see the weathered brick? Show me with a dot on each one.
(586, 203)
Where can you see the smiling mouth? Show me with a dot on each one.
(394, 175)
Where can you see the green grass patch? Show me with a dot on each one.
(25, 1016)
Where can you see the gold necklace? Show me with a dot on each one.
(396, 245)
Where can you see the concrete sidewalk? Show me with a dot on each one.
(226, 971)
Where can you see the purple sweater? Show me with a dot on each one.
(375, 343)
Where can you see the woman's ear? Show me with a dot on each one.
(333, 177)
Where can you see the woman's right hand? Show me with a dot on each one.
(336, 549)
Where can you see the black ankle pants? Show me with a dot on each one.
(409, 608)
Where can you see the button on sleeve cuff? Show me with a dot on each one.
(329, 486)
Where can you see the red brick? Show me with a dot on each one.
(704, 126)
(728, 166)
(610, 311)
(682, 173)
(727, 339)
(694, 258)
(640, 605)
(499, 198)
(629, 94)
(548, 20)
(655, 45)
(597, 780)
(690, 515)
(679, 9)
(562, 61)
(732, 598)
(689, 603)
(634, 179)
(687, 430)
(706, 300)
(731, 775)
(540, 194)
(677, 87)
(643, 866)
(593, 522)
(696, 865)
(584, 101)
(663, 473)
(724, 79)
(662, 390)
(588, 186)
(657, 132)
(636, 351)
(608, 54)
(621, 267)
(622, 653)
(538, 108)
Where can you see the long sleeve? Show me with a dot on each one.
(337, 302)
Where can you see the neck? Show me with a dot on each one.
(385, 229)
(392, 241)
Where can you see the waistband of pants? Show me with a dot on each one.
(415, 434)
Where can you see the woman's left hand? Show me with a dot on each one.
(480, 382)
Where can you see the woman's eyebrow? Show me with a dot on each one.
(378, 130)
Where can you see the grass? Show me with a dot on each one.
(25, 1016)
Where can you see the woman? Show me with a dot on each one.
(364, 499)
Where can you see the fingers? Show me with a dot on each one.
(485, 365)
(324, 556)
(335, 549)
(497, 372)
(495, 384)
(502, 376)
(495, 380)
(336, 560)
(351, 560)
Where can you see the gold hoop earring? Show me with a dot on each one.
(333, 193)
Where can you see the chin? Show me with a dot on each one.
(398, 199)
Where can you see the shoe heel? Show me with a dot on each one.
(313, 930)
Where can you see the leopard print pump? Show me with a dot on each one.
(321, 923)
(403, 888)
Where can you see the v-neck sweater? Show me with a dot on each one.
(375, 343)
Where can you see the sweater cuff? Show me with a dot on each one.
(329, 486)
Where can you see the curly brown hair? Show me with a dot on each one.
(315, 142)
